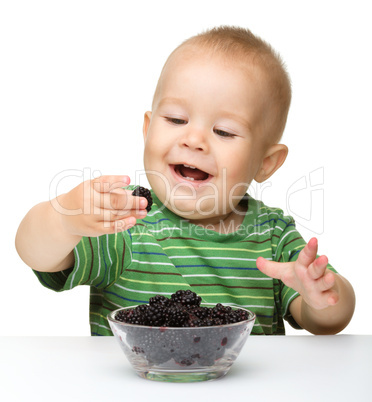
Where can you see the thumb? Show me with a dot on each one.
(271, 268)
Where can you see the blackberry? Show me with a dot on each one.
(186, 298)
(154, 316)
(195, 322)
(241, 315)
(187, 362)
(143, 192)
(223, 314)
(181, 310)
(199, 312)
(159, 300)
(208, 322)
(137, 350)
(176, 315)
(135, 317)
(189, 346)
(218, 321)
(132, 315)
(121, 315)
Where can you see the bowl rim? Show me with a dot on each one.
(111, 315)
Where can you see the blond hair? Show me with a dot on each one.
(241, 44)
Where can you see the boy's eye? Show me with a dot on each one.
(175, 120)
(222, 133)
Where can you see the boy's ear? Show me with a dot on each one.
(146, 123)
(273, 159)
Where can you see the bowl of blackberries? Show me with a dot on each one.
(176, 339)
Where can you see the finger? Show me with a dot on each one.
(124, 224)
(330, 298)
(101, 228)
(272, 268)
(108, 215)
(120, 199)
(120, 214)
(325, 299)
(317, 268)
(326, 282)
(106, 184)
(308, 253)
(119, 225)
(333, 298)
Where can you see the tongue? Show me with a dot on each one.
(196, 174)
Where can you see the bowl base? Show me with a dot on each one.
(182, 376)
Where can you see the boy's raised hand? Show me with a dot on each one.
(308, 275)
(100, 206)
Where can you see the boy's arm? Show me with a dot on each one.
(49, 232)
(327, 300)
(42, 241)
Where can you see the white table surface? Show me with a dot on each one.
(277, 368)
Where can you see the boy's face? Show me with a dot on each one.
(203, 143)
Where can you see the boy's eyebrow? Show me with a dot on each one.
(170, 99)
(241, 120)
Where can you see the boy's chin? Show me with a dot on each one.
(194, 214)
(192, 210)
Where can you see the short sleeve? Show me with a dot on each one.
(99, 261)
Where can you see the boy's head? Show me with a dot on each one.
(220, 107)
(240, 46)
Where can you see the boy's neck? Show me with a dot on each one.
(224, 224)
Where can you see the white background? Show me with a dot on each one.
(77, 76)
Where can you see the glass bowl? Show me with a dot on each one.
(181, 354)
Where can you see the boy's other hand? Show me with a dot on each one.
(100, 206)
(308, 275)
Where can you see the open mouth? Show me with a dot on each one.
(191, 173)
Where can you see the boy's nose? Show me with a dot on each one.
(195, 139)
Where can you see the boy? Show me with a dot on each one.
(218, 114)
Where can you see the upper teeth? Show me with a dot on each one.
(191, 167)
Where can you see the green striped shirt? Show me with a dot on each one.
(163, 253)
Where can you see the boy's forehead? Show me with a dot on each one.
(190, 55)
(179, 58)
(200, 54)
